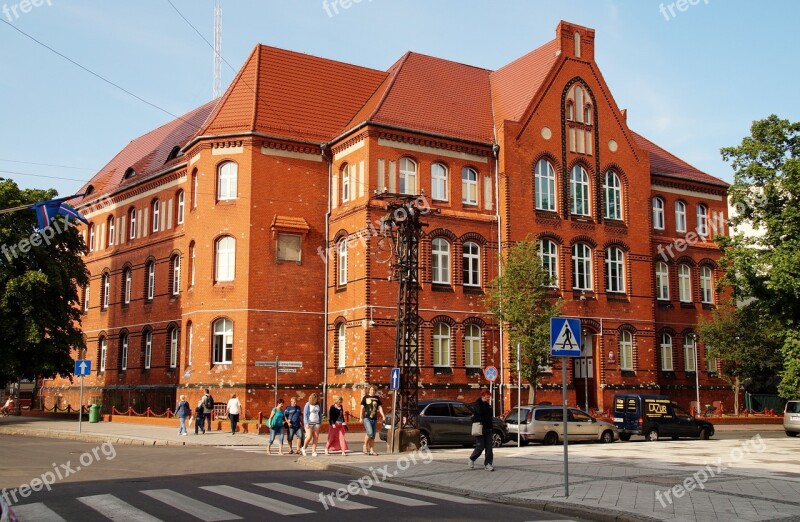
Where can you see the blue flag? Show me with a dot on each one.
(46, 211)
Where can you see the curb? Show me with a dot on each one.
(600, 514)
(86, 437)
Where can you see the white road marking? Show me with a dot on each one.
(280, 507)
(115, 509)
(405, 501)
(201, 510)
(38, 512)
(308, 495)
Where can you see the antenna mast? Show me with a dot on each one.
(217, 86)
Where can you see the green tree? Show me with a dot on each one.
(745, 341)
(766, 266)
(519, 298)
(39, 312)
(789, 387)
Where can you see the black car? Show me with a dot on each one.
(443, 422)
(656, 416)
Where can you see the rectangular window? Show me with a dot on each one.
(689, 356)
(342, 262)
(469, 186)
(173, 348)
(289, 247)
(148, 350)
(176, 275)
(666, 353)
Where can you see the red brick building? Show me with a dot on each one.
(246, 231)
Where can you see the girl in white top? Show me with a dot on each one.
(232, 410)
(312, 418)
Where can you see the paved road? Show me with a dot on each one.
(147, 484)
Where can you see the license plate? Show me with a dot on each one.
(795, 417)
(617, 419)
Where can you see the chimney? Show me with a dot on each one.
(575, 41)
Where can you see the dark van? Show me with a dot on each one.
(656, 416)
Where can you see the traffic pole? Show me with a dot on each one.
(564, 410)
(80, 410)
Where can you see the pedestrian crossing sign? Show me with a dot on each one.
(565, 337)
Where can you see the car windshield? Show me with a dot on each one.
(521, 413)
(793, 407)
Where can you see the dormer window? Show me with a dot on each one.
(173, 153)
(89, 190)
(129, 173)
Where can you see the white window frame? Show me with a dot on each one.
(626, 351)
(469, 186)
(545, 186)
(689, 354)
(471, 260)
(124, 354)
(582, 267)
(472, 346)
(666, 352)
(345, 175)
(680, 216)
(193, 260)
(662, 281)
(342, 250)
(227, 180)
(86, 290)
(151, 280)
(684, 283)
(106, 290)
(189, 342)
(181, 206)
(613, 196)
(91, 237)
(702, 221)
(222, 349)
(658, 214)
(128, 282)
(176, 275)
(103, 354)
(225, 259)
(173, 347)
(615, 270)
(156, 211)
(132, 223)
(408, 176)
(579, 192)
(148, 349)
(706, 285)
(111, 229)
(341, 346)
(441, 345)
(195, 185)
(549, 257)
(439, 185)
(440, 261)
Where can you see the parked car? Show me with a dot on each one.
(791, 418)
(656, 416)
(544, 423)
(443, 422)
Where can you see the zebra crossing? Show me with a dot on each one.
(272, 497)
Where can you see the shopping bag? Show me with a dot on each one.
(477, 429)
(191, 420)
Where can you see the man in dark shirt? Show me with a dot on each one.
(370, 409)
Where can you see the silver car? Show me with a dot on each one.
(791, 418)
(544, 424)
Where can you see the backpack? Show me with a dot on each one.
(208, 402)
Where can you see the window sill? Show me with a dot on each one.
(688, 306)
(440, 287)
(547, 214)
(340, 289)
(628, 373)
(615, 222)
(226, 201)
(667, 374)
(665, 304)
(709, 306)
(580, 218)
(474, 290)
(583, 295)
(339, 371)
(442, 370)
(223, 284)
(614, 297)
(473, 371)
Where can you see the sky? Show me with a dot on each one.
(692, 80)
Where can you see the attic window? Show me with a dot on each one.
(89, 190)
(173, 153)
(577, 45)
(129, 173)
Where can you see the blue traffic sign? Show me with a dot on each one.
(490, 373)
(565, 337)
(394, 380)
(83, 367)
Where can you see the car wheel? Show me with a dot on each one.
(651, 435)
(550, 439)
(497, 439)
(625, 437)
(424, 439)
(704, 434)
(791, 433)
(607, 437)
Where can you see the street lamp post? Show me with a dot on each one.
(696, 374)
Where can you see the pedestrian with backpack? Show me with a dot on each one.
(208, 407)
(276, 422)
(183, 411)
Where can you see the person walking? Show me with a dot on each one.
(208, 407)
(482, 412)
(337, 429)
(370, 409)
(275, 422)
(200, 416)
(294, 416)
(182, 411)
(312, 418)
(232, 410)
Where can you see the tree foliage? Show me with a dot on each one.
(766, 195)
(39, 312)
(519, 298)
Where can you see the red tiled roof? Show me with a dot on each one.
(514, 85)
(666, 163)
(147, 154)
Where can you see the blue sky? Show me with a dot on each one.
(692, 82)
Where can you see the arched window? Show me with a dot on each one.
(223, 341)
(680, 216)
(227, 174)
(548, 251)
(150, 280)
(579, 189)
(408, 176)
(440, 261)
(545, 186)
(86, 290)
(471, 264)
(441, 345)
(469, 186)
(147, 345)
(579, 103)
(615, 270)
(225, 259)
(345, 175)
(626, 351)
(684, 284)
(472, 346)
(156, 208)
(342, 262)
(193, 263)
(127, 277)
(123, 352)
(587, 114)
(175, 266)
(180, 198)
(189, 342)
(689, 353)
(195, 183)
(581, 267)
(101, 364)
(658, 213)
(106, 290)
(662, 281)
(173, 347)
(702, 221)
(341, 346)
(439, 182)
(132, 223)
(666, 352)
(110, 227)
(613, 196)
(570, 110)
(91, 237)
(706, 285)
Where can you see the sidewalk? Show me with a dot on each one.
(687, 480)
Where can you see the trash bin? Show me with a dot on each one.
(94, 413)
